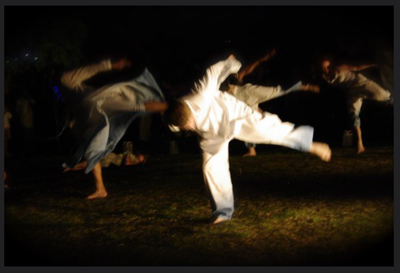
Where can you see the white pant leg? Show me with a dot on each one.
(267, 128)
(255, 94)
(217, 178)
(368, 89)
(376, 92)
(364, 89)
(354, 105)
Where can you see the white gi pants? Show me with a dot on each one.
(262, 128)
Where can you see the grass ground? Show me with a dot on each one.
(291, 209)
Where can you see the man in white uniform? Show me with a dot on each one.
(101, 116)
(357, 88)
(253, 95)
(218, 117)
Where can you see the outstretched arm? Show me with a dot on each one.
(217, 73)
(125, 106)
(121, 64)
(346, 67)
(259, 94)
(74, 79)
(250, 68)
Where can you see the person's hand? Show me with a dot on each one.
(121, 64)
(156, 106)
(271, 54)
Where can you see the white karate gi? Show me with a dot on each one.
(358, 88)
(253, 95)
(103, 115)
(219, 118)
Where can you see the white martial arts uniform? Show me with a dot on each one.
(219, 118)
(102, 115)
(357, 88)
(253, 95)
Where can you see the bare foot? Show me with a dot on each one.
(98, 194)
(251, 152)
(360, 149)
(140, 159)
(218, 219)
(321, 150)
(78, 167)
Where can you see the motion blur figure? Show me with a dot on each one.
(218, 117)
(253, 95)
(357, 88)
(102, 116)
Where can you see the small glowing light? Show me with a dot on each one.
(26, 55)
(36, 58)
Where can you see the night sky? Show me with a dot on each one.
(193, 34)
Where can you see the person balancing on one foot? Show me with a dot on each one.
(218, 117)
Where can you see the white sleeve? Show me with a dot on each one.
(115, 106)
(73, 79)
(216, 74)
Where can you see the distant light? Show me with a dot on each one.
(36, 58)
(26, 55)
(16, 59)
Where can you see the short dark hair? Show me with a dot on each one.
(178, 113)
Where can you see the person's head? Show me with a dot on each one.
(178, 114)
(326, 66)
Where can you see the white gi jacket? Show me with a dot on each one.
(220, 117)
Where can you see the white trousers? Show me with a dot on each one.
(363, 89)
(260, 128)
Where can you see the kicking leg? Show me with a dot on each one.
(321, 150)
(269, 129)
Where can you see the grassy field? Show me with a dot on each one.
(291, 210)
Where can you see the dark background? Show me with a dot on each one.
(178, 43)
